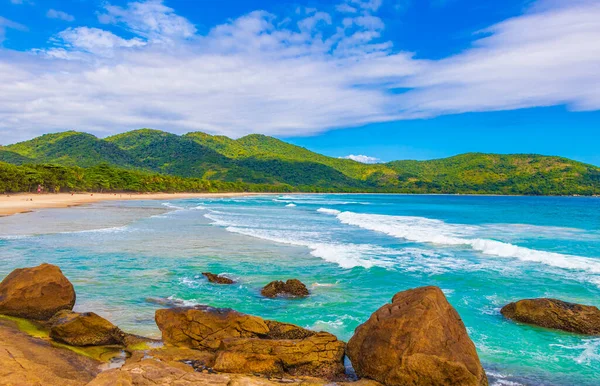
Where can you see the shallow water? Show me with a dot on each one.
(353, 251)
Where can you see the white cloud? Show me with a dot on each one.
(539, 59)
(365, 159)
(54, 14)
(92, 40)
(369, 5)
(5, 24)
(345, 8)
(293, 75)
(150, 19)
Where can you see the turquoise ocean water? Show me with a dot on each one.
(353, 251)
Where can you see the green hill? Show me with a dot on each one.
(73, 149)
(167, 153)
(267, 161)
(263, 147)
(500, 174)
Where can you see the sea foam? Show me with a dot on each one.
(424, 230)
(328, 211)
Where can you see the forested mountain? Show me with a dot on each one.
(133, 160)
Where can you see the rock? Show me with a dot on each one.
(555, 314)
(248, 363)
(292, 287)
(249, 344)
(204, 327)
(25, 360)
(418, 339)
(85, 329)
(151, 372)
(320, 355)
(36, 293)
(218, 279)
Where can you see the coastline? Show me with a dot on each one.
(11, 204)
(28, 202)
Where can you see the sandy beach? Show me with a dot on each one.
(27, 202)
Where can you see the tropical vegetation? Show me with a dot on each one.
(150, 161)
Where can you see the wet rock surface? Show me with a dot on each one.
(555, 314)
(291, 288)
(217, 279)
(84, 329)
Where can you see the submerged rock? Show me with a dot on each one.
(85, 329)
(249, 344)
(555, 314)
(218, 279)
(418, 339)
(292, 287)
(36, 293)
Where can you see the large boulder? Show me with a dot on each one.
(556, 314)
(36, 293)
(84, 329)
(291, 288)
(249, 344)
(217, 279)
(418, 339)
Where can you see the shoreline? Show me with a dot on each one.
(28, 202)
(16, 203)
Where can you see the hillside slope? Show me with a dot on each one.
(259, 159)
(264, 147)
(71, 148)
(499, 174)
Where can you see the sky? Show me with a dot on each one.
(374, 80)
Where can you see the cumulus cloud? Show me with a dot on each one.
(294, 74)
(365, 159)
(54, 14)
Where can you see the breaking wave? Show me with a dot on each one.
(424, 230)
(328, 211)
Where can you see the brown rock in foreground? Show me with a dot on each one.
(249, 344)
(292, 287)
(36, 293)
(139, 371)
(418, 339)
(217, 279)
(29, 361)
(85, 329)
(555, 314)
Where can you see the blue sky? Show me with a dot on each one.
(388, 79)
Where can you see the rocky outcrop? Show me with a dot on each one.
(249, 344)
(217, 279)
(36, 293)
(30, 361)
(555, 314)
(149, 371)
(418, 339)
(291, 288)
(85, 329)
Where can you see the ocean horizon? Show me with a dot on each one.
(353, 251)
